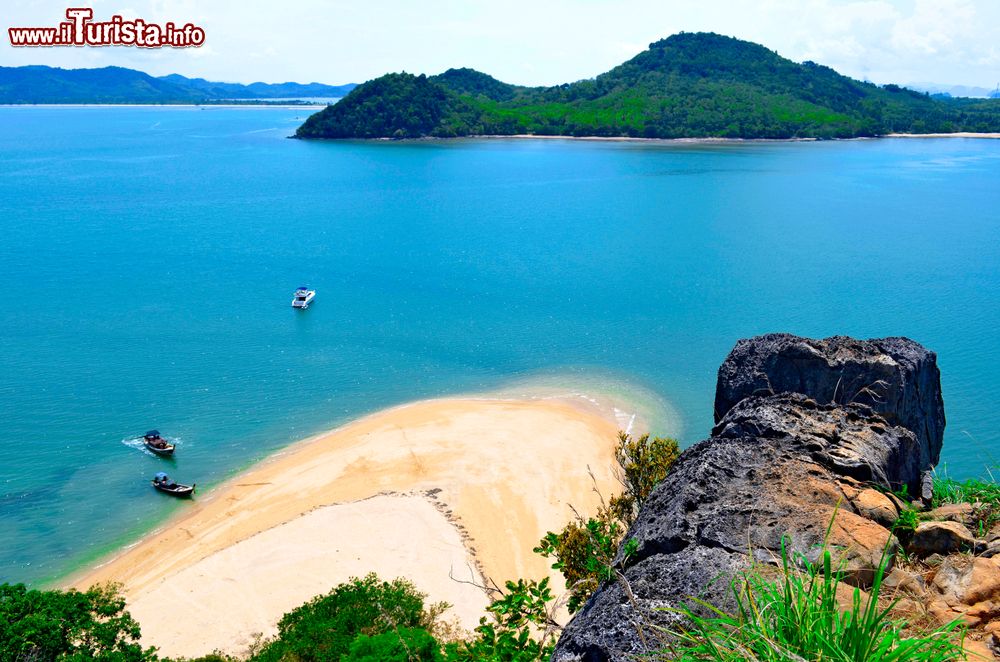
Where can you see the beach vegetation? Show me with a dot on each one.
(68, 625)
(396, 645)
(586, 550)
(518, 627)
(326, 627)
(642, 464)
(797, 615)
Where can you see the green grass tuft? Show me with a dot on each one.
(984, 495)
(798, 617)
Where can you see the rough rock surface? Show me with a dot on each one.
(941, 538)
(896, 377)
(776, 466)
(968, 589)
(876, 506)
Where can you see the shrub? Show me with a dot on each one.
(509, 634)
(584, 553)
(585, 550)
(62, 625)
(325, 627)
(642, 464)
(402, 645)
(906, 525)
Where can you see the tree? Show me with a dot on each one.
(400, 645)
(642, 464)
(325, 627)
(509, 634)
(584, 552)
(67, 625)
(586, 549)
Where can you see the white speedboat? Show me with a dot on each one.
(303, 297)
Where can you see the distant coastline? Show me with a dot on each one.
(673, 141)
(231, 104)
(41, 84)
(957, 134)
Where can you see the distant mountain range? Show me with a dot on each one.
(40, 84)
(966, 91)
(690, 85)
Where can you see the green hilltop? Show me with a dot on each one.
(689, 85)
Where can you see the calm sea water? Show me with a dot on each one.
(148, 257)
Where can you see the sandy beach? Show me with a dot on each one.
(436, 491)
(960, 134)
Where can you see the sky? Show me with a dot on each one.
(528, 42)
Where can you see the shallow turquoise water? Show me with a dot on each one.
(149, 254)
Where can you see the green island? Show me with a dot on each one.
(689, 85)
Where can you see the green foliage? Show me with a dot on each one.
(907, 522)
(973, 490)
(585, 550)
(906, 525)
(67, 625)
(643, 464)
(393, 106)
(509, 634)
(476, 84)
(402, 645)
(984, 495)
(685, 86)
(798, 617)
(325, 627)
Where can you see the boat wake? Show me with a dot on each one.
(138, 444)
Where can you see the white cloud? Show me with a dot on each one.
(531, 42)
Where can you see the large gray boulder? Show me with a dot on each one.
(777, 467)
(897, 377)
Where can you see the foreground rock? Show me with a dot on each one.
(967, 589)
(941, 538)
(779, 461)
(896, 377)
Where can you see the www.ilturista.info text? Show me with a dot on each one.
(81, 30)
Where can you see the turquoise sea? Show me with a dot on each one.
(148, 257)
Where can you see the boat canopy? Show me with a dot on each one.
(152, 433)
(161, 476)
(303, 287)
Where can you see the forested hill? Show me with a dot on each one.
(40, 84)
(688, 85)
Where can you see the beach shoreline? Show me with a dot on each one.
(482, 479)
(663, 141)
(959, 134)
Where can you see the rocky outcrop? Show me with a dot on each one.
(896, 377)
(781, 461)
(941, 538)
